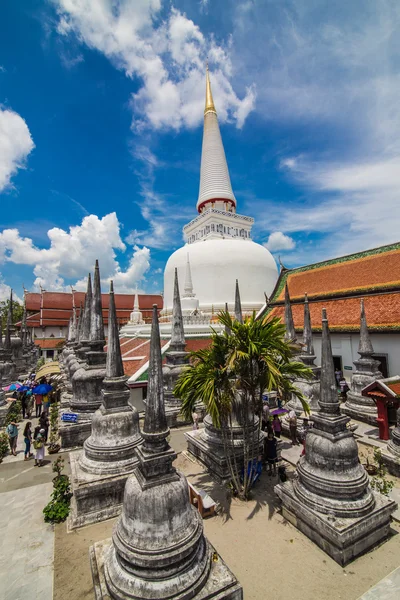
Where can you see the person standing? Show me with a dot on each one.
(38, 404)
(338, 376)
(293, 427)
(12, 432)
(195, 418)
(277, 426)
(23, 405)
(39, 447)
(271, 453)
(28, 440)
(44, 424)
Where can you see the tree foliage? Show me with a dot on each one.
(18, 311)
(231, 375)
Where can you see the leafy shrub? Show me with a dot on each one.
(40, 363)
(58, 508)
(4, 445)
(379, 483)
(14, 412)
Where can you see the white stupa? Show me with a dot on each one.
(219, 248)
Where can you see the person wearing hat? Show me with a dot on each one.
(39, 447)
(12, 432)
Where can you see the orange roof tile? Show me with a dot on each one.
(382, 312)
(49, 343)
(376, 269)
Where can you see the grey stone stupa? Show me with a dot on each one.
(100, 470)
(88, 378)
(358, 406)
(330, 499)
(391, 457)
(176, 360)
(208, 445)
(158, 550)
(309, 388)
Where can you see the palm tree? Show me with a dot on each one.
(232, 375)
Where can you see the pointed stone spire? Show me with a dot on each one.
(307, 330)
(68, 334)
(7, 336)
(85, 332)
(155, 429)
(114, 365)
(238, 304)
(227, 329)
(79, 325)
(215, 183)
(73, 329)
(365, 347)
(177, 334)
(329, 400)
(1, 334)
(290, 334)
(96, 323)
(188, 289)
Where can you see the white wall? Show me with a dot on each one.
(346, 346)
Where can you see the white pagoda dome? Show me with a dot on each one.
(219, 247)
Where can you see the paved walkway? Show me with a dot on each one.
(26, 545)
(387, 589)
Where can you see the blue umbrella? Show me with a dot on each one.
(24, 388)
(42, 389)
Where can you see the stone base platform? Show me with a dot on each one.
(391, 462)
(358, 414)
(221, 583)
(174, 418)
(96, 497)
(73, 435)
(213, 457)
(342, 539)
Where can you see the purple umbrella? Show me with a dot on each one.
(279, 411)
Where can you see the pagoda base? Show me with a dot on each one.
(220, 585)
(73, 435)
(214, 457)
(391, 462)
(96, 497)
(359, 413)
(342, 539)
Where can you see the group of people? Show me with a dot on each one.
(273, 429)
(36, 438)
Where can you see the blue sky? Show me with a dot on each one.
(101, 107)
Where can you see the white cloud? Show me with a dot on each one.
(5, 291)
(15, 145)
(72, 254)
(168, 56)
(279, 241)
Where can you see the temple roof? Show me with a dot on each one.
(339, 284)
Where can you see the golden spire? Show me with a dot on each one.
(209, 99)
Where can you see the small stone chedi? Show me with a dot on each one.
(207, 444)
(136, 317)
(100, 470)
(330, 500)
(87, 367)
(158, 549)
(176, 359)
(358, 406)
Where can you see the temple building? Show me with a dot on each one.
(339, 285)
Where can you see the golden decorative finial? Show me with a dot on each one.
(209, 99)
